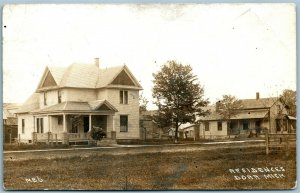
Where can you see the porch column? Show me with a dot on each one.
(113, 123)
(49, 123)
(64, 123)
(90, 122)
(65, 134)
(34, 130)
(113, 132)
(34, 134)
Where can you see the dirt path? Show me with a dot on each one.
(125, 149)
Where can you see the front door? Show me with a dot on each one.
(85, 124)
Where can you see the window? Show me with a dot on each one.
(257, 124)
(245, 125)
(59, 120)
(278, 125)
(285, 125)
(45, 98)
(40, 125)
(123, 97)
(219, 126)
(59, 96)
(123, 123)
(206, 126)
(23, 126)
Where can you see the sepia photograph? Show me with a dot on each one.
(135, 96)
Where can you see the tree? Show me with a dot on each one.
(178, 95)
(228, 107)
(288, 99)
(143, 103)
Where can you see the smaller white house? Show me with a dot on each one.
(189, 131)
(254, 117)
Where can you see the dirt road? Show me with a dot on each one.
(125, 149)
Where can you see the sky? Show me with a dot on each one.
(236, 49)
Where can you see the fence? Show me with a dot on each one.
(280, 142)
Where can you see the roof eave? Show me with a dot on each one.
(47, 89)
(123, 87)
(71, 112)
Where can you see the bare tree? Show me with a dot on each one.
(143, 103)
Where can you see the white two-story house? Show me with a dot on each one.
(69, 102)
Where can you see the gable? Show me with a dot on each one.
(123, 79)
(48, 81)
(103, 107)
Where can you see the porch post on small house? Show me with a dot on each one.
(90, 122)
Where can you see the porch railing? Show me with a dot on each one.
(77, 136)
(59, 137)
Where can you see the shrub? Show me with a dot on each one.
(98, 133)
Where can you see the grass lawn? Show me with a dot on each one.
(156, 171)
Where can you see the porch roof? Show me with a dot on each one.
(74, 106)
(250, 115)
(286, 117)
(241, 115)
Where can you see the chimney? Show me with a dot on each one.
(97, 63)
(217, 106)
(257, 95)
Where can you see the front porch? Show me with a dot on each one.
(71, 128)
(245, 127)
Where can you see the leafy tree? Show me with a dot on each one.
(178, 95)
(143, 103)
(228, 107)
(288, 98)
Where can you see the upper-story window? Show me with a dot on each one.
(59, 96)
(123, 97)
(45, 98)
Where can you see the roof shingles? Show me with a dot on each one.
(251, 108)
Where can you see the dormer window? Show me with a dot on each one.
(123, 97)
(45, 98)
(59, 96)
